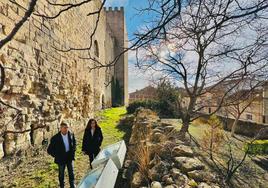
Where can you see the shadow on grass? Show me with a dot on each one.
(125, 125)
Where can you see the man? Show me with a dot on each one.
(62, 147)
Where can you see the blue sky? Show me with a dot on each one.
(137, 79)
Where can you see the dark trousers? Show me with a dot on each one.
(70, 173)
(92, 156)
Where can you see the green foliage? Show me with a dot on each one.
(214, 136)
(214, 121)
(192, 183)
(257, 147)
(150, 104)
(168, 96)
(164, 105)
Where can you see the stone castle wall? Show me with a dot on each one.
(48, 85)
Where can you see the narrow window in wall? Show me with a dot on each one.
(249, 117)
(96, 49)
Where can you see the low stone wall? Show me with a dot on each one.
(157, 158)
(245, 128)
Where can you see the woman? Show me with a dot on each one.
(92, 140)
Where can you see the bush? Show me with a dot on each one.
(214, 136)
(149, 104)
(161, 108)
(257, 147)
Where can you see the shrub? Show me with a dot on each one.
(160, 107)
(214, 136)
(150, 104)
(257, 147)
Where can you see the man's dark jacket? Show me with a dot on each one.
(91, 144)
(56, 148)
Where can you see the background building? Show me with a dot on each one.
(146, 93)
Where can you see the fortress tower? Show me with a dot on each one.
(115, 20)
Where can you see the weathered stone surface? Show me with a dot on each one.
(197, 175)
(169, 128)
(165, 177)
(1, 150)
(182, 150)
(182, 181)
(201, 175)
(156, 184)
(265, 176)
(163, 150)
(192, 183)
(158, 130)
(156, 160)
(46, 84)
(179, 178)
(136, 180)
(22, 141)
(160, 169)
(163, 124)
(175, 172)
(158, 137)
(203, 185)
(169, 181)
(9, 144)
(171, 186)
(187, 164)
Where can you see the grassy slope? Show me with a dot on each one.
(44, 174)
(249, 172)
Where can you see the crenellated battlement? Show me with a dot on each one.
(113, 9)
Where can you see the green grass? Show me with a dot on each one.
(108, 123)
(197, 130)
(257, 147)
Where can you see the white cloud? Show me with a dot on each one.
(136, 79)
(139, 78)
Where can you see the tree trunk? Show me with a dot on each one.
(184, 128)
(234, 126)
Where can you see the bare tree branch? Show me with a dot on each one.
(19, 24)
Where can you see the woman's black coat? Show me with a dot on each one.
(91, 144)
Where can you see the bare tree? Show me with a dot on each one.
(241, 99)
(228, 167)
(205, 47)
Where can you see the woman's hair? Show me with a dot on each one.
(89, 123)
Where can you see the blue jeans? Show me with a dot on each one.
(70, 173)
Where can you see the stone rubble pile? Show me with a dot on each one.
(172, 164)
